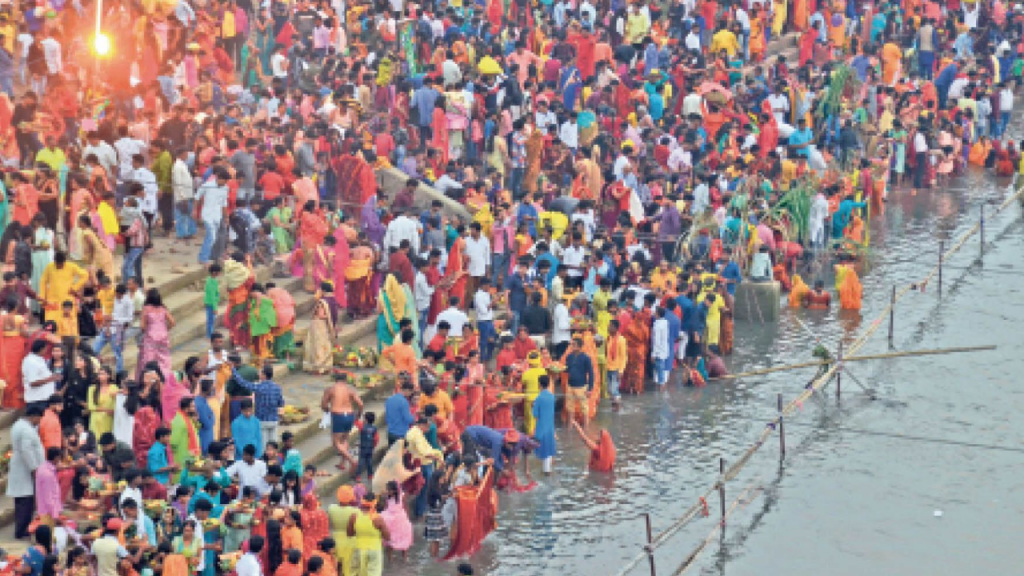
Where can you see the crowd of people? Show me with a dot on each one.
(588, 183)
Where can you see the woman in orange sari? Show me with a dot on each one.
(892, 58)
(477, 507)
(849, 287)
(439, 131)
(801, 16)
(13, 332)
(638, 339)
(757, 43)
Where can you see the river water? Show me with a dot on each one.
(852, 494)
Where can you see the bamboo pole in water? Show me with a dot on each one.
(883, 356)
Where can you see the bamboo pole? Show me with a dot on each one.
(883, 356)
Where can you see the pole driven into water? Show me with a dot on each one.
(942, 255)
(839, 370)
(982, 229)
(721, 486)
(782, 433)
(650, 550)
(892, 315)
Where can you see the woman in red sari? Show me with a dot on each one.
(497, 412)
(144, 431)
(315, 526)
(638, 338)
(478, 507)
(13, 331)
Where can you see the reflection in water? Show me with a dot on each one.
(863, 502)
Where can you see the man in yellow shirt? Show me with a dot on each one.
(616, 351)
(434, 396)
(724, 39)
(61, 281)
(531, 388)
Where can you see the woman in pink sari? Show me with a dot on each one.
(341, 262)
(156, 324)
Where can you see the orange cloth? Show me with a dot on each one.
(478, 507)
(602, 458)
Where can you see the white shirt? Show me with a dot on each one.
(560, 331)
(692, 104)
(920, 143)
(588, 223)
(249, 474)
(248, 565)
(679, 158)
(478, 254)
(134, 494)
(659, 339)
(482, 305)
(277, 62)
(780, 105)
(422, 291)
(126, 148)
(403, 228)
(215, 199)
(573, 256)
(545, 121)
(701, 198)
(34, 369)
(1005, 100)
(181, 181)
(956, 89)
(456, 319)
(124, 310)
(148, 180)
(105, 154)
(569, 135)
(743, 19)
(51, 51)
(692, 42)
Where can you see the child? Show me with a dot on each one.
(105, 295)
(367, 443)
(397, 520)
(88, 312)
(67, 324)
(211, 298)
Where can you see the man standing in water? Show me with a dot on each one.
(338, 401)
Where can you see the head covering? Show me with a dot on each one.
(346, 495)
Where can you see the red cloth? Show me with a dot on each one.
(602, 459)
(357, 181)
(478, 506)
(144, 434)
(341, 261)
(315, 525)
(12, 352)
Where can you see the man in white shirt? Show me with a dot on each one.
(127, 147)
(483, 306)
(569, 133)
(183, 186)
(921, 157)
(249, 563)
(143, 175)
(572, 259)
(402, 228)
(114, 330)
(816, 219)
(546, 120)
(561, 330)
(693, 104)
(660, 353)
(40, 382)
(455, 317)
(104, 152)
(423, 292)
(478, 258)
(51, 52)
(213, 195)
(249, 470)
(279, 64)
(780, 105)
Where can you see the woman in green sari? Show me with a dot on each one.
(263, 41)
(280, 219)
(392, 306)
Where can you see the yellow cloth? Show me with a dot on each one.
(417, 445)
(109, 218)
(724, 40)
(227, 27)
(396, 297)
(56, 285)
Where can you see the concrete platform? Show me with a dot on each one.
(757, 301)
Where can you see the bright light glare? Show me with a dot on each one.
(101, 43)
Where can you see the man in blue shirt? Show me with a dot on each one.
(730, 271)
(490, 443)
(801, 138)
(423, 100)
(397, 413)
(246, 431)
(156, 459)
(515, 285)
(580, 370)
(544, 255)
(268, 399)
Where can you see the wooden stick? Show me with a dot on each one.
(883, 356)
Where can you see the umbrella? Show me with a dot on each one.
(488, 65)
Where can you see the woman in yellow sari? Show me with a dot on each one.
(758, 43)
(318, 347)
(797, 292)
(391, 306)
(780, 10)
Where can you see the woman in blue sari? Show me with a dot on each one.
(571, 86)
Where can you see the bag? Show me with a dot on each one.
(325, 421)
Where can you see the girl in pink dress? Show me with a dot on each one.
(397, 520)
